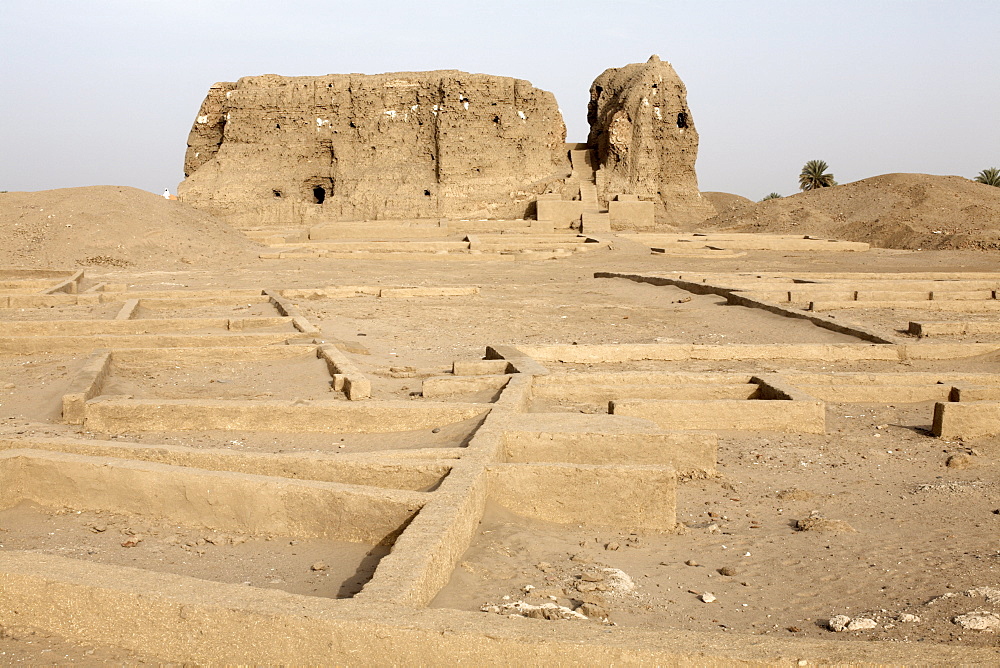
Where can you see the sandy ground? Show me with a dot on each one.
(911, 211)
(912, 528)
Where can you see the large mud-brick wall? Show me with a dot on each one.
(273, 149)
(645, 140)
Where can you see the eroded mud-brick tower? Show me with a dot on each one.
(645, 140)
(363, 147)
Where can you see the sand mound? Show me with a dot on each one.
(114, 226)
(907, 211)
(724, 202)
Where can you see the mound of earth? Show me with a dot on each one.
(114, 226)
(723, 202)
(907, 211)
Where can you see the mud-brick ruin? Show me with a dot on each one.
(444, 144)
(459, 392)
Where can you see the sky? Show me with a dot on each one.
(104, 92)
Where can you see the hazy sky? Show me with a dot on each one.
(105, 91)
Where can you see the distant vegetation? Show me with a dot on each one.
(990, 177)
(814, 175)
(771, 196)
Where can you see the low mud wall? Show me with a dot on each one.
(222, 501)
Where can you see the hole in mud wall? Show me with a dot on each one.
(427, 193)
(496, 119)
(276, 193)
(277, 126)
(319, 194)
(682, 120)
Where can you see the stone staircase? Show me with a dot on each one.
(594, 219)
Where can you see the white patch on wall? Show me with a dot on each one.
(434, 110)
(466, 105)
(320, 122)
(197, 153)
(203, 119)
(414, 107)
(656, 112)
(522, 116)
(228, 116)
(391, 113)
(645, 101)
(228, 94)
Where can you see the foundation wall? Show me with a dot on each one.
(346, 377)
(591, 354)
(32, 345)
(640, 497)
(878, 394)
(953, 328)
(786, 416)
(443, 386)
(604, 393)
(689, 454)
(560, 213)
(966, 419)
(87, 385)
(216, 500)
(117, 416)
(135, 327)
(198, 621)
(427, 552)
(370, 471)
(480, 367)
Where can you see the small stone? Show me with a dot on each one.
(612, 546)
(319, 566)
(692, 562)
(794, 494)
(838, 623)
(960, 461)
(132, 542)
(99, 528)
(586, 586)
(592, 577)
(978, 621)
(794, 629)
(544, 566)
(823, 525)
(580, 558)
(593, 611)
(861, 624)
(9, 386)
(435, 430)
(728, 571)
(907, 618)
(707, 597)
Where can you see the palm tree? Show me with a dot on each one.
(990, 177)
(814, 176)
(771, 196)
